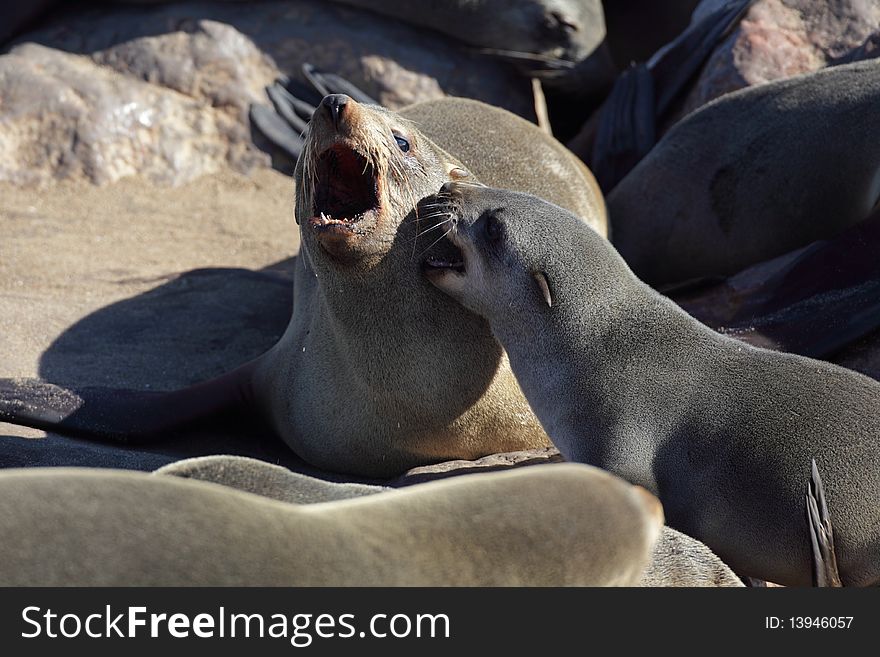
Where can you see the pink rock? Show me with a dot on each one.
(782, 38)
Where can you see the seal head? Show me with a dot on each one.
(362, 171)
(483, 224)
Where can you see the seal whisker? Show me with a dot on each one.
(437, 241)
(414, 240)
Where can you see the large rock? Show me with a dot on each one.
(782, 38)
(393, 62)
(165, 91)
(61, 116)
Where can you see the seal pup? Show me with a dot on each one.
(66, 527)
(622, 378)
(677, 560)
(377, 372)
(691, 208)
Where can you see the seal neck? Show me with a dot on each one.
(401, 340)
(605, 364)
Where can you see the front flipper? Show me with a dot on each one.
(678, 61)
(293, 103)
(627, 127)
(128, 416)
(825, 572)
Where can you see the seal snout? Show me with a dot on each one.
(334, 105)
(447, 256)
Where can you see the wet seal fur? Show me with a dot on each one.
(622, 378)
(377, 372)
(67, 526)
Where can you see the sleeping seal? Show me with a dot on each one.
(753, 175)
(622, 378)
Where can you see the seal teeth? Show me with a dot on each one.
(439, 263)
(346, 187)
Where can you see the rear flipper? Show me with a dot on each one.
(643, 95)
(127, 416)
(825, 571)
(293, 103)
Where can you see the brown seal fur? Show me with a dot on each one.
(378, 371)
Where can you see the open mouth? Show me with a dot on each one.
(347, 190)
(441, 263)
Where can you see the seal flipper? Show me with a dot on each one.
(329, 83)
(677, 62)
(294, 104)
(626, 130)
(128, 416)
(276, 130)
(629, 119)
(825, 572)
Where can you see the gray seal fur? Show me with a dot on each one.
(753, 175)
(377, 372)
(622, 378)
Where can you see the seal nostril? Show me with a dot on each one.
(448, 187)
(335, 104)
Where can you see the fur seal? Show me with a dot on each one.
(622, 378)
(691, 208)
(546, 37)
(378, 371)
(677, 560)
(105, 528)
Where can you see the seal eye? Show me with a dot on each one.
(402, 143)
(493, 228)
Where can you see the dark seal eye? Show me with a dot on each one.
(402, 143)
(493, 228)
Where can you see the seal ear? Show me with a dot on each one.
(541, 279)
(456, 172)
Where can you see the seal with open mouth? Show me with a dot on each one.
(377, 371)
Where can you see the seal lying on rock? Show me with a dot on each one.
(65, 527)
(622, 378)
(378, 371)
(693, 208)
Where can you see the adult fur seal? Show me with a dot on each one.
(677, 560)
(753, 175)
(100, 527)
(377, 372)
(622, 378)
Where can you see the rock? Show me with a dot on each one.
(394, 63)
(164, 91)
(486, 464)
(61, 117)
(782, 38)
